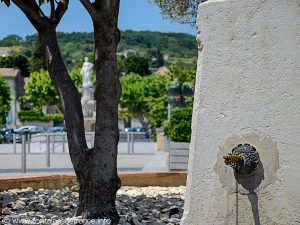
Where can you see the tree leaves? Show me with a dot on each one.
(4, 99)
(41, 2)
(41, 90)
(145, 95)
(6, 2)
(183, 11)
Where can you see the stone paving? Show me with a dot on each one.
(144, 159)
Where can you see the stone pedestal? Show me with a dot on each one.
(247, 91)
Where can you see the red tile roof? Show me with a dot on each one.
(9, 72)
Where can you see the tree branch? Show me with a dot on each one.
(52, 13)
(90, 8)
(62, 7)
(31, 10)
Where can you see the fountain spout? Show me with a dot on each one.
(244, 159)
(233, 158)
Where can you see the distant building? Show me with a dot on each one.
(162, 70)
(16, 83)
(4, 51)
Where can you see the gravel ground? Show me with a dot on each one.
(136, 206)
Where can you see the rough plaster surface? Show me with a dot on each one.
(248, 90)
(265, 173)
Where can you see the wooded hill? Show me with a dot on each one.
(176, 48)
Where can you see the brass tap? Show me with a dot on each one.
(233, 158)
(244, 159)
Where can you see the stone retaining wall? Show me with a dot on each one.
(60, 181)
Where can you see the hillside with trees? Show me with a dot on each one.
(160, 48)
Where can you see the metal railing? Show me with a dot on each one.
(56, 143)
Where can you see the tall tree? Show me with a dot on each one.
(68, 93)
(39, 89)
(16, 61)
(37, 61)
(96, 168)
(11, 40)
(98, 179)
(145, 97)
(137, 64)
(4, 99)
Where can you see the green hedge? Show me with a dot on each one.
(33, 115)
(178, 129)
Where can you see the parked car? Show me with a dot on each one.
(138, 129)
(8, 136)
(24, 129)
(56, 130)
(135, 129)
(1, 138)
(36, 130)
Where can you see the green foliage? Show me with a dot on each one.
(120, 65)
(132, 91)
(40, 89)
(146, 95)
(179, 48)
(155, 99)
(137, 64)
(37, 115)
(179, 75)
(4, 99)
(77, 77)
(22, 63)
(154, 86)
(124, 114)
(16, 61)
(6, 62)
(156, 58)
(184, 11)
(75, 46)
(158, 112)
(178, 129)
(167, 43)
(11, 40)
(37, 62)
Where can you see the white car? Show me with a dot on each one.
(24, 129)
(30, 129)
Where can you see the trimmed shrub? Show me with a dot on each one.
(34, 115)
(178, 129)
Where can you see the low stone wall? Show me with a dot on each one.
(46, 125)
(179, 155)
(60, 181)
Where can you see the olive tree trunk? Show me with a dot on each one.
(96, 168)
(68, 94)
(98, 178)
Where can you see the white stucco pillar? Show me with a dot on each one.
(247, 91)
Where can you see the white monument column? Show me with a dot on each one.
(87, 100)
(247, 92)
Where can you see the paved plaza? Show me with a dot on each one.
(143, 158)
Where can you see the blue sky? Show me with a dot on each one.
(134, 14)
